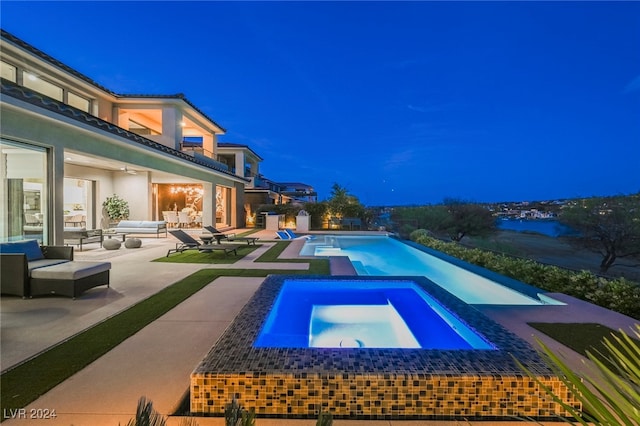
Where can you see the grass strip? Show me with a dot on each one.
(28, 381)
(214, 257)
(581, 337)
(316, 266)
(272, 254)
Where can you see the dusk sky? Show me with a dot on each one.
(399, 102)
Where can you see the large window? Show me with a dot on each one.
(8, 71)
(23, 211)
(36, 83)
(78, 102)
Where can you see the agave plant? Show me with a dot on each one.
(248, 417)
(325, 419)
(609, 391)
(235, 415)
(146, 415)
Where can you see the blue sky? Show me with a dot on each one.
(399, 102)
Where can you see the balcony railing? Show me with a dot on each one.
(202, 155)
(191, 148)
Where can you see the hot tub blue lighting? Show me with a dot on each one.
(363, 314)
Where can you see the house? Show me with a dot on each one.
(259, 190)
(68, 143)
(299, 192)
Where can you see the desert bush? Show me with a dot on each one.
(418, 233)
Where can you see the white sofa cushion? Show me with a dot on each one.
(71, 270)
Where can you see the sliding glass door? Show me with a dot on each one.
(24, 192)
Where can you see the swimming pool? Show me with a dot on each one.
(386, 256)
(363, 314)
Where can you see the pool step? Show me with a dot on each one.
(360, 268)
(328, 251)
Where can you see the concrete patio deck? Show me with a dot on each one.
(157, 361)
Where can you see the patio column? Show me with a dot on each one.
(171, 128)
(240, 164)
(209, 145)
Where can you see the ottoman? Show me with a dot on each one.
(69, 278)
(111, 244)
(133, 243)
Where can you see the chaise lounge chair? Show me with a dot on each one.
(283, 235)
(232, 236)
(293, 235)
(187, 242)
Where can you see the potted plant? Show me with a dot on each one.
(116, 208)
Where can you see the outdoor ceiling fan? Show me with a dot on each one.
(126, 170)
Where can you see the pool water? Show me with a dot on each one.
(386, 256)
(363, 314)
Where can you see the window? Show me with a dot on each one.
(78, 102)
(8, 71)
(23, 208)
(34, 82)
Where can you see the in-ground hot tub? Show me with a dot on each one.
(363, 313)
(266, 359)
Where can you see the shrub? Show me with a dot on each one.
(116, 207)
(418, 233)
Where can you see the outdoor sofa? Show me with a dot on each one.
(141, 227)
(29, 269)
(80, 236)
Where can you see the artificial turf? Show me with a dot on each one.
(581, 337)
(214, 257)
(26, 382)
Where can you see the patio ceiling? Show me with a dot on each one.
(107, 164)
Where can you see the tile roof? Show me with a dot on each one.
(238, 145)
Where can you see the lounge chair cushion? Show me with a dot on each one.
(283, 235)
